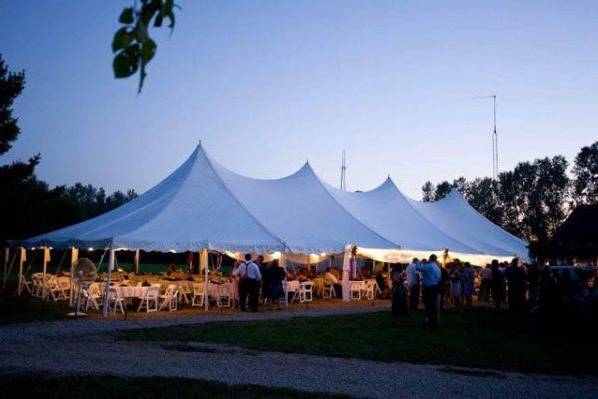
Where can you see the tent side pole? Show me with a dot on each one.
(203, 262)
(283, 264)
(46, 255)
(74, 258)
(22, 281)
(136, 260)
(346, 267)
(107, 288)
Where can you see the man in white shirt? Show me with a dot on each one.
(413, 281)
(431, 275)
(249, 284)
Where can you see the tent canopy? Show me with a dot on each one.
(204, 205)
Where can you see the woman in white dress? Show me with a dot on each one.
(235, 283)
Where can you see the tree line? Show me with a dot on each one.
(28, 205)
(534, 198)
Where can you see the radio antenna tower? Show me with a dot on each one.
(494, 138)
(343, 185)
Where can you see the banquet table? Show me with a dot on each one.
(131, 291)
(213, 288)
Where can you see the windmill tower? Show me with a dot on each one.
(343, 185)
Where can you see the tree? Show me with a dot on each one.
(533, 197)
(507, 198)
(585, 170)
(132, 46)
(482, 195)
(442, 190)
(28, 205)
(428, 191)
(11, 85)
(461, 184)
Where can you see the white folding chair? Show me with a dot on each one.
(52, 288)
(38, 285)
(329, 292)
(306, 292)
(92, 296)
(294, 289)
(63, 287)
(28, 285)
(150, 300)
(170, 298)
(185, 291)
(369, 290)
(115, 301)
(223, 296)
(355, 290)
(199, 294)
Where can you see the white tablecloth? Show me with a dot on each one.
(213, 288)
(357, 285)
(131, 292)
(293, 286)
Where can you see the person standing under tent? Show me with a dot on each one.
(515, 275)
(331, 279)
(431, 275)
(235, 283)
(399, 306)
(455, 277)
(273, 278)
(497, 284)
(485, 284)
(414, 283)
(468, 283)
(249, 285)
(260, 261)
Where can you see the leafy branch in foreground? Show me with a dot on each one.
(132, 46)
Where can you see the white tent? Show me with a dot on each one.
(191, 209)
(456, 217)
(204, 206)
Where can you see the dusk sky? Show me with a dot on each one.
(268, 84)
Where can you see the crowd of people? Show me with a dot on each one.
(544, 293)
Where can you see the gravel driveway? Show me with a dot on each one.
(68, 347)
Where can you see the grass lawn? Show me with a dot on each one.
(479, 338)
(25, 308)
(35, 386)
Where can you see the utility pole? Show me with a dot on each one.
(343, 185)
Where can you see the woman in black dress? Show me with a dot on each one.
(273, 277)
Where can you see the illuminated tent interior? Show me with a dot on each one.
(203, 206)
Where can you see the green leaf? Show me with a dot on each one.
(148, 49)
(126, 62)
(122, 39)
(126, 17)
(148, 11)
(141, 32)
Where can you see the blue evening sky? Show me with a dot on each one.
(268, 84)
